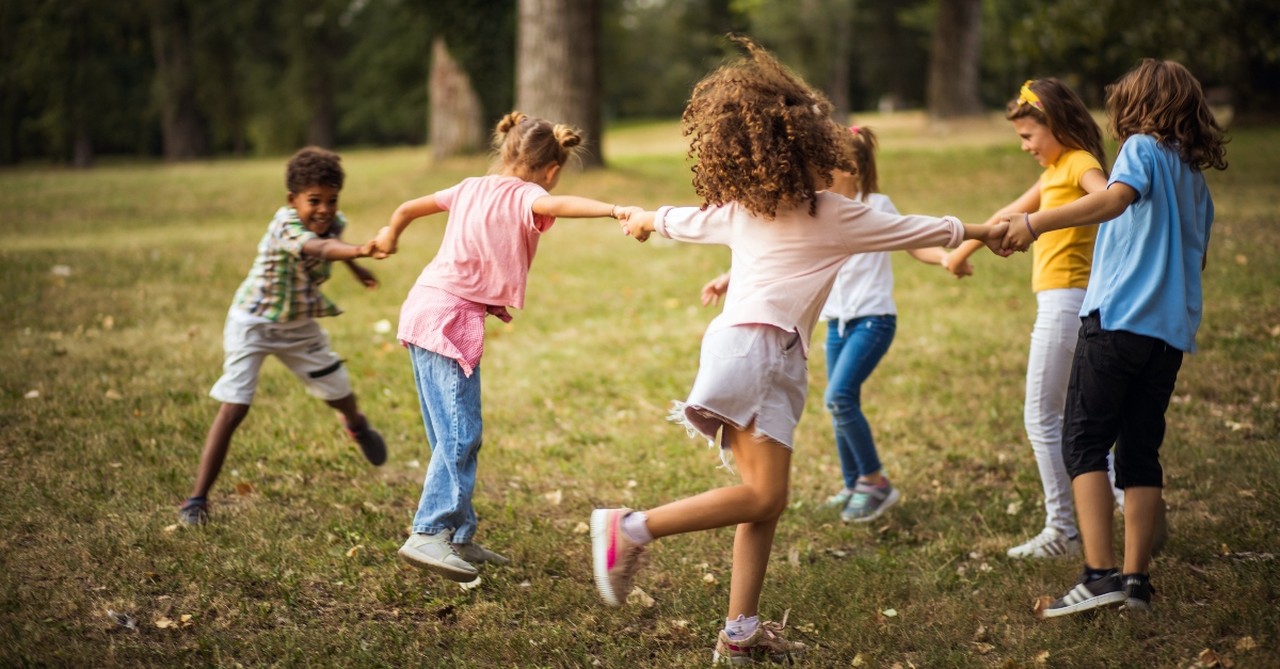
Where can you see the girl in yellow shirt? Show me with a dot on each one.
(1057, 130)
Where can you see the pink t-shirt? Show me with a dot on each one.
(782, 269)
(490, 240)
(484, 260)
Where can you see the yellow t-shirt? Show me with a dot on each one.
(1061, 258)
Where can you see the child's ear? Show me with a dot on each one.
(288, 197)
(553, 172)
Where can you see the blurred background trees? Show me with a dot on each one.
(181, 79)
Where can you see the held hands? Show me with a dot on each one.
(714, 290)
(958, 267)
(384, 245)
(1019, 236)
(997, 235)
(636, 222)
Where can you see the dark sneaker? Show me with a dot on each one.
(371, 443)
(1137, 592)
(194, 512)
(868, 502)
(1086, 595)
(764, 645)
(436, 553)
(615, 559)
(474, 553)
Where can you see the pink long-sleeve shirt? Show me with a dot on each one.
(782, 269)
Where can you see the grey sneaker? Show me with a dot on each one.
(839, 500)
(435, 552)
(869, 502)
(1050, 543)
(476, 554)
(194, 512)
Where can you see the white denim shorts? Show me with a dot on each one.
(747, 374)
(303, 347)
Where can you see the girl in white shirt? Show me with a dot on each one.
(765, 146)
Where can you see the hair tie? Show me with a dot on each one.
(1028, 97)
(853, 129)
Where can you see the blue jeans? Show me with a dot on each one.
(850, 360)
(451, 414)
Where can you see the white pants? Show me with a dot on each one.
(1053, 345)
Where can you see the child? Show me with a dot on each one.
(494, 226)
(1057, 130)
(1141, 312)
(861, 321)
(274, 313)
(765, 145)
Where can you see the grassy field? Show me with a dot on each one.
(115, 285)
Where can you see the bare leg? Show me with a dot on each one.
(216, 445)
(1141, 507)
(347, 406)
(1094, 508)
(754, 506)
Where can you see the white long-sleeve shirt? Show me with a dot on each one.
(782, 269)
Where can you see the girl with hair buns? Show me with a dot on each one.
(765, 148)
(495, 222)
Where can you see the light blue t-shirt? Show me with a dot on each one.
(1147, 262)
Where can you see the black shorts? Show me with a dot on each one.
(1119, 389)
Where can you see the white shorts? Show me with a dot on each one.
(303, 347)
(747, 374)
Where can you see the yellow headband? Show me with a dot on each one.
(1028, 97)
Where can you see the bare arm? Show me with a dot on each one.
(1096, 207)
(335, 249)
(1028, 201)
(406, 213)
(572, 206)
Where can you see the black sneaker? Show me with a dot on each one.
(194, 512)
(1137, 592)
(370, 442)
(1106, 590)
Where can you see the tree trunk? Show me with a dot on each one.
(456, 122)
(320, 78)
(181, 126)
(557, 67)
(953, 65)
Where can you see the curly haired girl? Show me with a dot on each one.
(765, 146)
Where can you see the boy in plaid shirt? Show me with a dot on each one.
(274, 313)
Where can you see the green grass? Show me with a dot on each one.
(104, 408)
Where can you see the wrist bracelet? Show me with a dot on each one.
(613, 212)
(1026, 218)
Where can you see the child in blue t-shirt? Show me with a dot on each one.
(1140, 315)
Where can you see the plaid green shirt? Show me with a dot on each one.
(284, 284)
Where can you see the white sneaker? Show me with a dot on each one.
(435, 552)
(1048, 544)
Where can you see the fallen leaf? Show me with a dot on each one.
(983, 648)
(244, 488)
(32, 394)
(113, 394)
(1246, 643)
(470, 585)
(185, 620)
(108, 322)
(1246, 493)
(708, 578)
(981, 634)
(60, 270)
(1207, 658)
(555, 497)
(641, 597)
(858, 661)
(1242, 259)
(1042, 657)
(581, 528)
(355, 550)
(1013, 508)
(890, 613)
(1041, 604)
(413, 464)
(163, 623)
(172, 528)
(526, 584)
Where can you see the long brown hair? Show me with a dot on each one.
(1163, 99)
(864, 160)
(761, 136)
(1059, 109)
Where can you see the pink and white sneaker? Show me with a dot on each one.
(615, 558)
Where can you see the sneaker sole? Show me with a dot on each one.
(600, 556)
(444, 569)
(889, 501)
(1110, 599)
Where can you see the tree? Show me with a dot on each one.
(457, 121)
(182, 124)
(953, 63)
(557, 67)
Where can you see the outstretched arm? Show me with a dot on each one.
(1096, 207)
(363, 275)
(385, 243)
(1028, 201)
(939, 256)
(335, 249)
(572, 206)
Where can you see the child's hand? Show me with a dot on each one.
(384, 244)
(624, 214)
(997, 239)
(363, 275)
(714, 289)
(1018, 235)
(499, 311)
(959, 268)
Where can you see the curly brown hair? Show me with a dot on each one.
(1163, 99)
(761, 136)
(314, 166)
(1064, 114)
(523, 143)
